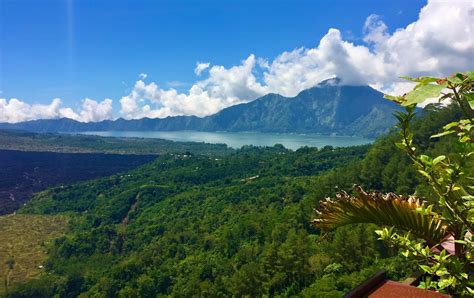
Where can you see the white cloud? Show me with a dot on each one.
(93, 111)
(440, 42)
(375, 29)
(15, 110)
(200, 67)
(291, 72)
(223, 88)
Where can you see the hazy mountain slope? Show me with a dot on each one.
(327, 108)
(352, 110)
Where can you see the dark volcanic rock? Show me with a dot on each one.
(25, 173)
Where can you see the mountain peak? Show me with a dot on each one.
(334, 81)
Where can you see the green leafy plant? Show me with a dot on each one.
(438, 236)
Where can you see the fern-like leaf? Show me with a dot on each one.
(405, 213)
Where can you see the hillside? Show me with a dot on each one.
(32, 162)
(192, 225)
(328, 108)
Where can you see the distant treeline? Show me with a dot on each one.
(54, 142)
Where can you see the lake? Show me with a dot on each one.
(239, 139)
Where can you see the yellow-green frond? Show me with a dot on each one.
(406, 213)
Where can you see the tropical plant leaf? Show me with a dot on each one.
(389, 209)
(469, 74)
(422, 80)
(421, 93)
(396, 99)
(455, 79)
(470, 99)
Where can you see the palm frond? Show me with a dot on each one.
(383, 209)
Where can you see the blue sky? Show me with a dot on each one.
(77, 49)
(84, 48)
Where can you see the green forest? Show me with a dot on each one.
(235, 224)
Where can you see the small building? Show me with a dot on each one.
(378, 286)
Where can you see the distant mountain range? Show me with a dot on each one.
(327, 108)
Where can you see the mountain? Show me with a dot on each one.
(327, 108)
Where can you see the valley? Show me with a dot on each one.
(190, 224)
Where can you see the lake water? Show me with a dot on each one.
(239, 139)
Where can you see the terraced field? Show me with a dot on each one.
(23, 241)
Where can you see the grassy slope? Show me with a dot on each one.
(23, 238)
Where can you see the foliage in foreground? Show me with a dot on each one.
(424, 231)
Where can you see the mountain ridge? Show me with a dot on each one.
(327, 108)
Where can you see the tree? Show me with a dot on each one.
(429, 231)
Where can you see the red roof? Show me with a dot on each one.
(389, 289)
(378, 286)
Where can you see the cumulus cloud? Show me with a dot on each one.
(291, 72)
(93, 111)
(200, 67)
(224, 87)
(15, 110)
(439, 42)
(375, 29)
